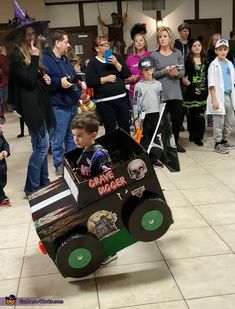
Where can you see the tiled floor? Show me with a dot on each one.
(192, 266)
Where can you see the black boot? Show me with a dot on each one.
(180, 148)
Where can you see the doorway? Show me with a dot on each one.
(82, 39)
(204, 28)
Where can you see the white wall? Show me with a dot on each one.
(63, 15)
(34, 8)
(218, 9)
(175, 12)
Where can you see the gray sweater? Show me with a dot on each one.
(147, 97)
(170, 84)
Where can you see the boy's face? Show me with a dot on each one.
(148, 73)
(222, 52)
(82, 138)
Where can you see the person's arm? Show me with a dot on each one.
(50, 70)
(214, 102)
(26, 75)
(122, 67)
(5, 148)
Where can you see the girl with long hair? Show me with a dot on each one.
(195, 96)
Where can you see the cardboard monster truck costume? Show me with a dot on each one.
(80, 223)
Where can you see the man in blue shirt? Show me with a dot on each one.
(64, 95)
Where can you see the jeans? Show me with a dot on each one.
(62, 140)
(37, 174)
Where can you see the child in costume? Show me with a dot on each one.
(94, 159)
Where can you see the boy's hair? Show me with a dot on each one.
(87, 121)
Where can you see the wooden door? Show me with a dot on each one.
(204, 28)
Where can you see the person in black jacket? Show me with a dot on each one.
(195, 96)
(27, 92)
(4, 153)
(107, 80)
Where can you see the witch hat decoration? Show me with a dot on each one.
(22, 20)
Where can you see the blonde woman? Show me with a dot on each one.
(140, 50)
(169, 64)
(27, 92)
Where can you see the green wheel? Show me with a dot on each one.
(149, 220)
(79, 255)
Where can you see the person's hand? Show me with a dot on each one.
(113, 60)
(173, 71)
(186, 81)
(3, 154)
(34, 51)
(133, 79)
(215, 104)
(111, 78)
(137, 124)
(64, 83)
(46, 79)
(197, 91)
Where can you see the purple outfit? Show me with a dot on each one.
(132, 63)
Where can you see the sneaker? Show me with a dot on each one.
(5, 203)
(109, 259)
(220, 149)
(59, 171)
(228, 146)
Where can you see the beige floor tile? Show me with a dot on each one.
(36, 263)
(11, 263)
(218, 302)
(14, 215)
(227, 178)
(139, 252)
(186, 217)
(217, 214)
(227, 233)
(204, 276)
(188, 169)
(224, 167)
(14, 236)
(209, 195)
(33, 238)
(166, 305)
(195, 181)
(81, 294)
(175, 199)
(165, 181)
(135, 284)
(191, 243)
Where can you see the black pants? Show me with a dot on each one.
(196, 122)
(174, 108)
(3, 178)
(114, 113)
(149, 126)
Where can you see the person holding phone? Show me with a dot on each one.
(106, 74)
(28, 94)
(169, 64)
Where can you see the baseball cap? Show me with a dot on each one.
(221, 42)
(146, 62)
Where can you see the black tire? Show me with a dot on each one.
(150, 219)
(79, 255)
